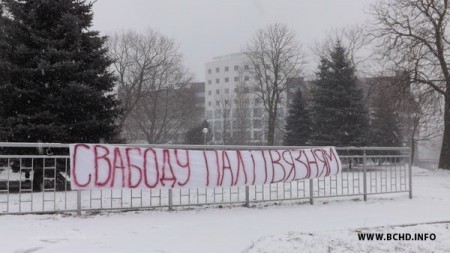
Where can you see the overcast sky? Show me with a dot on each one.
(204, 29)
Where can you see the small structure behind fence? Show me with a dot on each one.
(430, 164)
(35, 178)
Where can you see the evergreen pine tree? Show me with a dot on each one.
(55, 85)
(338, 112)
(298, 123)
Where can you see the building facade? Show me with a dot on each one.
(236, 114)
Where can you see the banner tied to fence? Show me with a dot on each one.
(95, 166)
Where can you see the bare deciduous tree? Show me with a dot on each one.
(241, 114)
(425, 124)
(151, 83)
(274, 56)
(224, 109)
(422, 112)
(413, 35)
(135, 55)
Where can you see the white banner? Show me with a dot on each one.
(96, 166)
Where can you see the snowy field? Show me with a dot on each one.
(328, 226)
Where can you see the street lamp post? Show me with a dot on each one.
(205, 132)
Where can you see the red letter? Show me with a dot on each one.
(156, 168)
(330, 158)
(265, 165)
(186, 165)
(325, 167)
(118, 158)
(276, 161)
(226, 167)
(292, 164)
(133, 166)
(254, 168)
(74, 166)
(312, 162)
(207, 168)
(166, 161)
(240, 162)
(218, 167)
(104, 157)
(308, 169)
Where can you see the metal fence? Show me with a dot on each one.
(35, 178)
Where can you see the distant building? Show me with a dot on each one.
(430, 142)
(236, 114)
(196, 91)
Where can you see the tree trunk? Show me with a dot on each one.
(444, 159)
(413, 151)
(271, 131)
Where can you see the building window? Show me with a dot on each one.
(246, 67)
(257, 135)
(257, 123)
(209, 114)
(217, 70)
(209, 103)
(209, 93)
(236, 79)
(217, 113)
(257, 112)
(209, 82)
(227, 69)
(217, 92)
(209, 71)
(257, 101)
(218, 124)
(217, 80)
(236, 67)
(280, 112)
(227, 91)
(246, 78)
(227, 79)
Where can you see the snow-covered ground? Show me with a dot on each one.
(328, 226)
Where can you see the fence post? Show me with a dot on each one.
(410, 174)
(170, 200)
(311, 192)
(78, 202)
(364, 175)
(247, 196)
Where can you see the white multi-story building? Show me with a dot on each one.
(236, 115)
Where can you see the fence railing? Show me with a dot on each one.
(35, 178)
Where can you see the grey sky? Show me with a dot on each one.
(207, 28)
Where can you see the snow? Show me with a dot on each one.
(7, 174)
(347, 241)
(329, 225)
